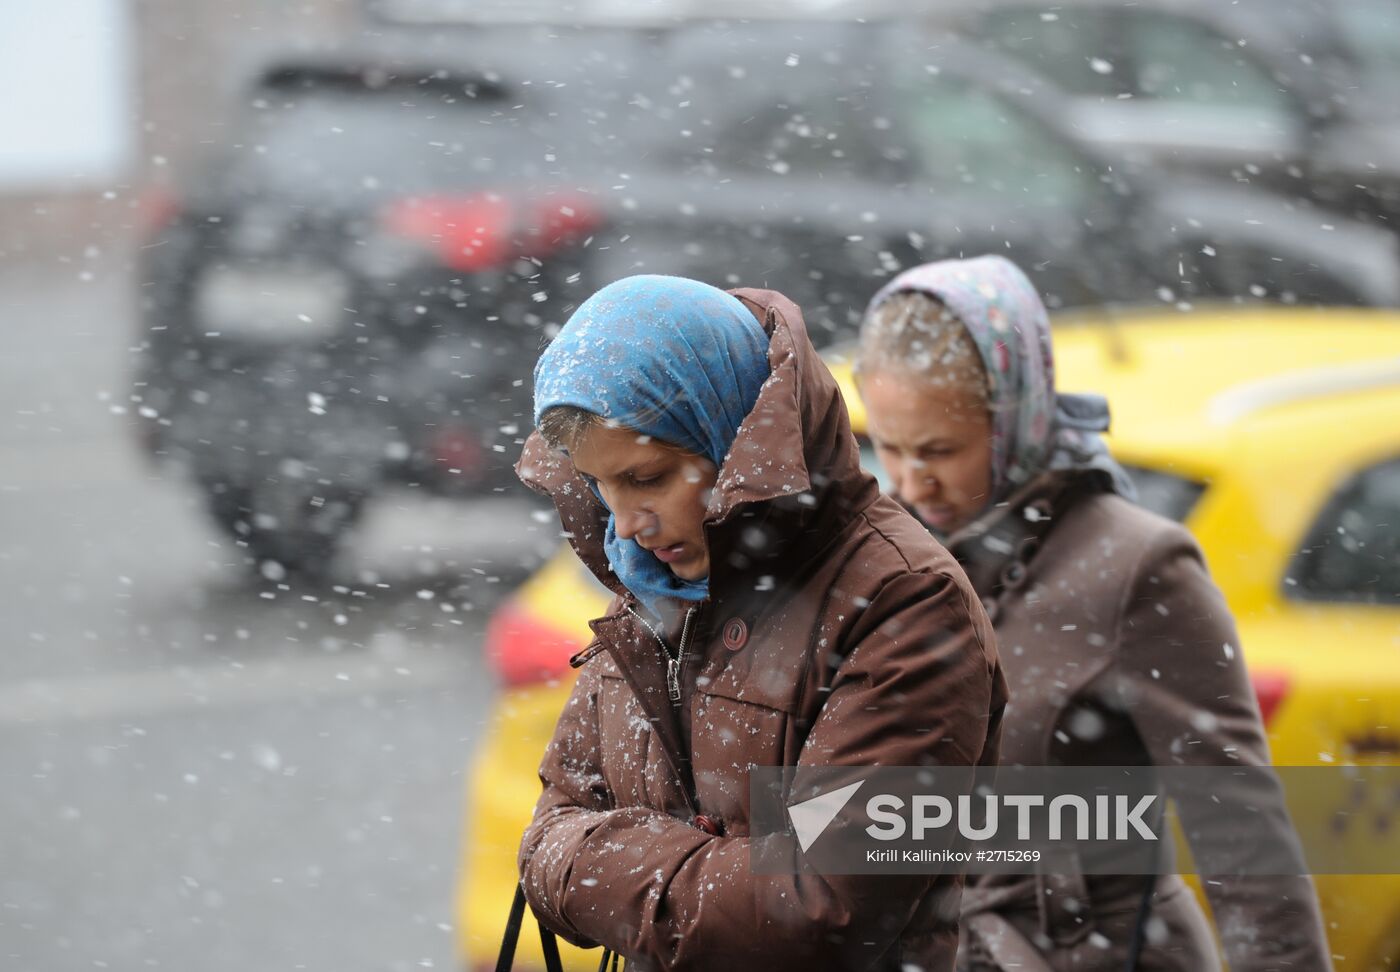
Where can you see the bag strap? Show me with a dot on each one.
(548, 944)
(1144, 913)
(506, 958)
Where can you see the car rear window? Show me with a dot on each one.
(1165, 493)
(339, 142)
(343, 135)
(1353, 550)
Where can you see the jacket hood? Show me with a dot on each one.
(791, 479)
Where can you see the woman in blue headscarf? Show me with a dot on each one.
(771, 608)
(1115, 641)
(650, 382)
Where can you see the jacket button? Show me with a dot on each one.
(708, 824)
(736, 634)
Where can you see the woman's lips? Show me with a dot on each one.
(938, 516)
(669, 555)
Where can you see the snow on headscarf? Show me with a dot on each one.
(668, 357)
(1033, 428)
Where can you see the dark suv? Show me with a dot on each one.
(354, 294)
(348, 295)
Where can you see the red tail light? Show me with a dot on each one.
(156, 208)
(467, 233)
(485, 230)
(524, 650)
(1270, 688)
(559, 220)
(458, 451)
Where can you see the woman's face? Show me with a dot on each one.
(657, 494)
(935, 442)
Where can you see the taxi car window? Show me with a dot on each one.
(1353, 551)
(1164, 493)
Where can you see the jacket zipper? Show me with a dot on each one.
(682, 655)
(674, 663)
(674, 667)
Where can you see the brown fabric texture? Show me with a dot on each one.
(1119, 650)
(865, 645)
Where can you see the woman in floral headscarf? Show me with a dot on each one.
(1112, 636)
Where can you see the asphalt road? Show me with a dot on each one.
(197, 773)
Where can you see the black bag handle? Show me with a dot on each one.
(548, 944)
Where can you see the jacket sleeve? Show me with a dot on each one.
(917, 686)
(575, 798)
(1181, 678)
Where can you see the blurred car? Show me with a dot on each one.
(1273, 433)
(818, 158)
(345, 298)
(352, 297)
(1294, 94)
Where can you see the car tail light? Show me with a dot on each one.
(467, 233)
(1270, 688)
(524, 650)
(156, 208)
(458, 451)
(560, 220)
(485, 230)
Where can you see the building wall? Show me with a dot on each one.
(188, 58)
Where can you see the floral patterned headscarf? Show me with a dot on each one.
(1033, 428)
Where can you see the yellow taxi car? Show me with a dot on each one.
(1273, 433)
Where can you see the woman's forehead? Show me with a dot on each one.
(908, 410)
(603, 450)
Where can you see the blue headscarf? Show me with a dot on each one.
(671, 358)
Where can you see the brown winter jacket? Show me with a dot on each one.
(836, 631)
(1119, 650)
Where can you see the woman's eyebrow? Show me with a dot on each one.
(647, 467)
(641, 467)
(930, 443)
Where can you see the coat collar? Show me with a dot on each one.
(996, 549)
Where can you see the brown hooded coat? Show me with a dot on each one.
(1119, 650)
(836, 632)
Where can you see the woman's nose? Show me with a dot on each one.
(631, 524)
(916, 483)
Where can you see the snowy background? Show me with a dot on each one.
(213, 757)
